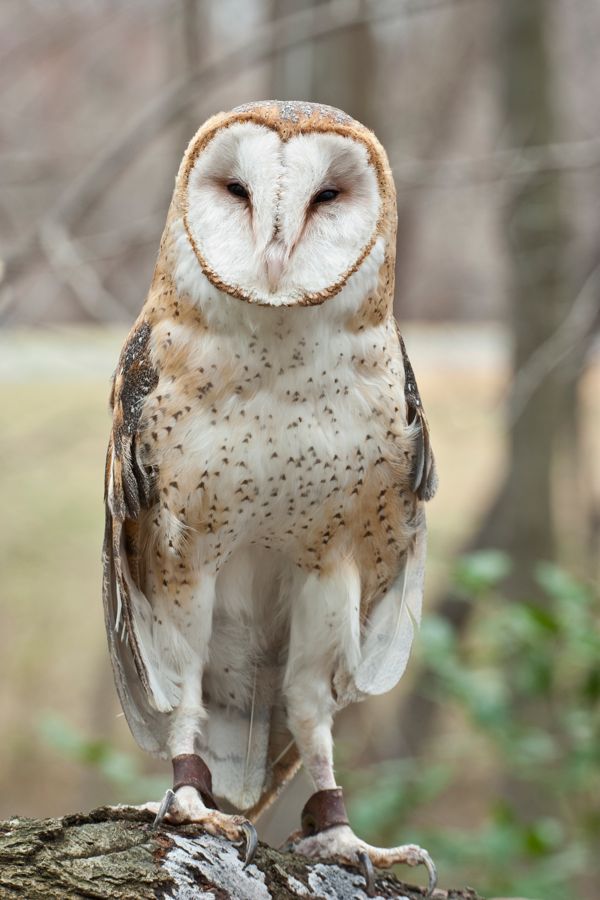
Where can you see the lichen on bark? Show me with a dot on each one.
(115, 853)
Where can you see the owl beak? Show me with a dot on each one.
(276, 256)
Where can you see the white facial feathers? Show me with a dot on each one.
(279, 245)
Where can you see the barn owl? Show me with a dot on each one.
(266, 474)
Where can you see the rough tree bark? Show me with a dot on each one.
(115, 854)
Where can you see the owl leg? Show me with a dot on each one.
(191, 800)
(324, 608)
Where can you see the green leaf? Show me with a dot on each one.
(560, 584)
(481, 571)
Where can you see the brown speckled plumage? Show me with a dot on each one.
(253, 435)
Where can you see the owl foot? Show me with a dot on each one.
(185, 806)
(326, 835)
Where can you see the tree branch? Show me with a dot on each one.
(163, 110)
(114, 853)
(574, 334)
(72, 269)
(510, 164)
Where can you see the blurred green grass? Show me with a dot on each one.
(55, 425)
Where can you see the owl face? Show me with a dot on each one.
(280, 220)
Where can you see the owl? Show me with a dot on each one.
(266, 475)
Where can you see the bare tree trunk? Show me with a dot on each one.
(193, 42)
(450, 95)
(536, 235)
(521, 519)
(115, 854)
(337, 70)
(344, 72)
(291, 70)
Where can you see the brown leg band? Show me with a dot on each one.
(324, 810)
(189, 769)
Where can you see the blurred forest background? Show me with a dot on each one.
(488, 752)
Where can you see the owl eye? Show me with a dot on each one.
(238, 190)
(325, 196)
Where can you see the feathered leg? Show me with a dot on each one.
(328, 606)
(191, 799)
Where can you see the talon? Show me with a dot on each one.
(366, 868)
(431, 872)
(251, 841)
(163, 810)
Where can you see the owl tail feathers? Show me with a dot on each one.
(235, 747)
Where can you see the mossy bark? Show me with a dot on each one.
(115, 854)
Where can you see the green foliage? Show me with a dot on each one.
(481, 571)
(520, 697)
(524, 687)
(119, 769)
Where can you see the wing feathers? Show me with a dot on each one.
(130, 487)
(146, 724)
(128, 490)
(394, 619)
(391, 628)
(424, 481)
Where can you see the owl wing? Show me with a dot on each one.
(394, 619)
(424, 481)
(128, 491)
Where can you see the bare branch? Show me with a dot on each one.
(505, 165)
(574, 333)
(69, 267)
(114, 853)
(292, 31)
(94, 181)
(119, 240)
(24, 167)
